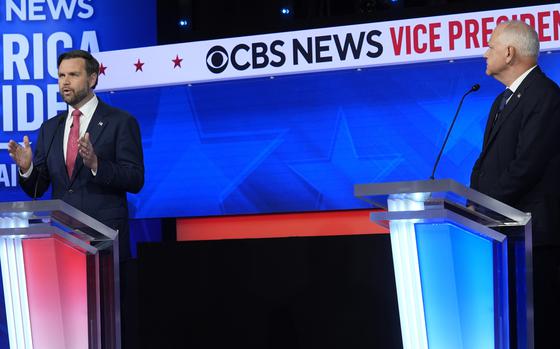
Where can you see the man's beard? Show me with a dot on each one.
(75, 98)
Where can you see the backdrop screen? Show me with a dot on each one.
(300, 142)
(296, 142)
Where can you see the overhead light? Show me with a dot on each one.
(184, 23)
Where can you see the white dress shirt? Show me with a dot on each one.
(87, 113)
(515, 85)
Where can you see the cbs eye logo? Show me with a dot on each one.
(217, 59)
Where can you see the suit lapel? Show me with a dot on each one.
(57, 150)
(97, 123)
(490, 120)
(509, 108)
(95, 128)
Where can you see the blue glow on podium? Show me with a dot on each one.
(456, 268)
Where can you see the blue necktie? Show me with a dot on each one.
(505, 96)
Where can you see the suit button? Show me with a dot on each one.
(70, 191)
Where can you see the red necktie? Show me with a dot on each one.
(72, 145)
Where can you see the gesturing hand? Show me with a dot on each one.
(21, 155)
(85, 149)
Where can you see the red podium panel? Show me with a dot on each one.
(57, 292)
(60, 277)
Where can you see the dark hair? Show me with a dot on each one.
(92, 65)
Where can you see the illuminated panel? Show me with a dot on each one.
(354, 222)
(457, 271)
(407, 274)
(57, 288)
(15, 293)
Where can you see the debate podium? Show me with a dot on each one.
(462, 264)
(60, 277)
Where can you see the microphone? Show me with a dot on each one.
(40, 169)
(474, 88)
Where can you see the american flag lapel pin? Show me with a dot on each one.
(100, 123)
(519, 95)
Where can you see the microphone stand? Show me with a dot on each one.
(473, 89)
(40, 169)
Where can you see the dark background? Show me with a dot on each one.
(212, 19)
(316, 292)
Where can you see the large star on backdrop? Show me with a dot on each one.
(204, 166)
(334, 176)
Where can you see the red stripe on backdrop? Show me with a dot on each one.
(355, 222)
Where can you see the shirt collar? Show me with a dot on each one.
(515, 85)
(87, 109)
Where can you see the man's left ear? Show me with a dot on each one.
(92, 80)
(510, 54)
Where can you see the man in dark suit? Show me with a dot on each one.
(91, 154)
(106, 144)
(520, 159)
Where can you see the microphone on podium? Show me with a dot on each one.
(40, 169)
(474, 88)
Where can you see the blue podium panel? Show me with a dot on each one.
(450, 248)
(459, 287)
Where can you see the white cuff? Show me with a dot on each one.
(28, 172)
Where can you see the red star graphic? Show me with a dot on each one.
(138, 65)
(102, 69)
(177, 62)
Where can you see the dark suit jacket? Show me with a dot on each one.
(116, 140)
(520, 159)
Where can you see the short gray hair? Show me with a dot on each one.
(521, 36)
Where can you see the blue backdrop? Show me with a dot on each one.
(300, 142)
